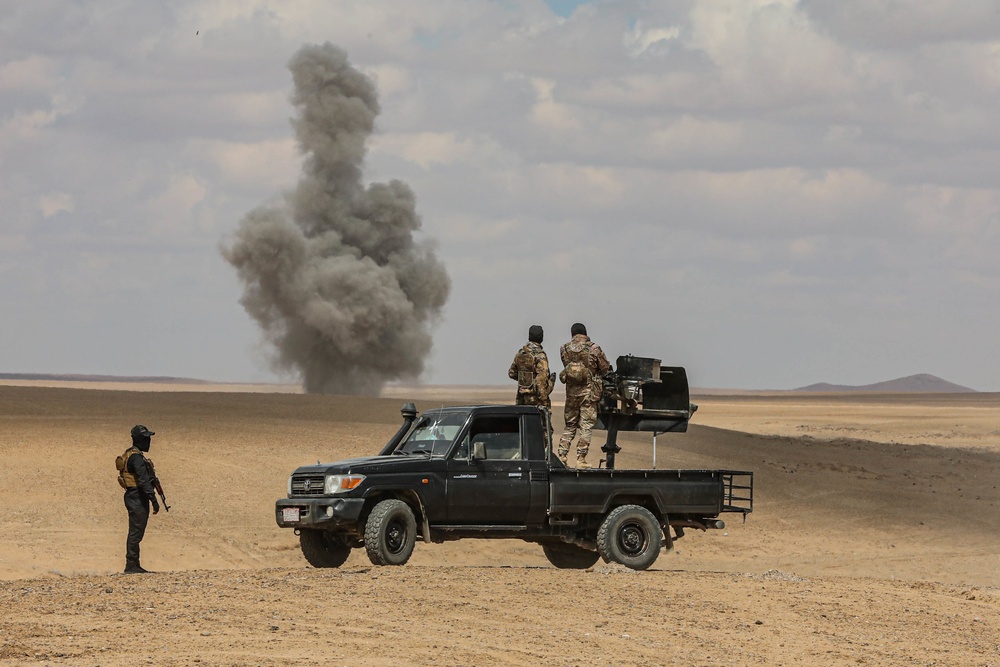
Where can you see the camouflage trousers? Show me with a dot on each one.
(581, 413)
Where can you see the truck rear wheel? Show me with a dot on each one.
(630, 535)
(390, 533)
(569, 556)
(323, 548)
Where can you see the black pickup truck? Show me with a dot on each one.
(489, 472)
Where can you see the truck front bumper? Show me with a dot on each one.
(319, 513)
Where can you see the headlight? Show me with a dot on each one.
(289, 486)
(341, 483)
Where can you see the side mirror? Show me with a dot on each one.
(478, 451)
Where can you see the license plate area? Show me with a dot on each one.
(290, 514)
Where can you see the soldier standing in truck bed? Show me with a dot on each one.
(531, 370)
(585, 365)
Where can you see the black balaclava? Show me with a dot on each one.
(535, 334)
(141, 437)
(578, 329)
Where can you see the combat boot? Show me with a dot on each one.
(563, 455)
(135, 568)
(581, 461)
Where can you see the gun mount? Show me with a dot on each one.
(642, 395)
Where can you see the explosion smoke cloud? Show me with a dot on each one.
(334, 275)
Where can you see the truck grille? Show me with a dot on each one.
(308, 484)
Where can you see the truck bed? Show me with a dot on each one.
(706, 493)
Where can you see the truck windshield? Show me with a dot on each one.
(434, 433)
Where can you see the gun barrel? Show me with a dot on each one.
(159, 491)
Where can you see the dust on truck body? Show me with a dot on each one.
(488, 471)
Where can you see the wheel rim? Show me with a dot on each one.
(632, 539)
(395, 536)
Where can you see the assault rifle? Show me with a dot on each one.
(159, 490)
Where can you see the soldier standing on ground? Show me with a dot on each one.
(531, 370)
(585, 365)
(138, 477)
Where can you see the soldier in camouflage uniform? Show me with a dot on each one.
(531, 370)
(585, 365)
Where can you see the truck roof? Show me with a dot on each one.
(506, 409)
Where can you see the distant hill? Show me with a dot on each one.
(922, 383)
(51, 377)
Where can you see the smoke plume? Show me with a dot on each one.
(334, 275)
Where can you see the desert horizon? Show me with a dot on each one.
(891, 417)
(920, 383)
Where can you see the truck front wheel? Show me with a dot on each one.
(630, 535)
(390, 533)
(569, 556)
(323, 548)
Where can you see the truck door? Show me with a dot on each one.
(495, 489)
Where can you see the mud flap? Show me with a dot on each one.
(668, 541)
(426, 530)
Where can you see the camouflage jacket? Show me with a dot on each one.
(531, 370)
(584, 366)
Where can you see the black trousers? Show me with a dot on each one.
(137, 505)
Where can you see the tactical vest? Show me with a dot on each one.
(578, 365)
(525, 362)
(126, 479)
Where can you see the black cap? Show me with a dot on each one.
(140, 431)
(578, 329)
(535, 333)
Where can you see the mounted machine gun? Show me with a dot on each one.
(641, 395)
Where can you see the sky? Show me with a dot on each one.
(770, 193)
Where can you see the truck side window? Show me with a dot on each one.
(501, 437)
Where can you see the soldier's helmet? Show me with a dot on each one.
(140, 431)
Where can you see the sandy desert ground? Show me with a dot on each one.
(875, 540)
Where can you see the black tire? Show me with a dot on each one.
(390, 533)
(569, 556)
(630, 535)
(323, 548)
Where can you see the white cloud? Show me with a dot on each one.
(262, 166)
(23, 126)
(959, 213)
(249, 108)
(689, 135)
(33, 74)
(171, 211)
(427, 149)
(55, 202)
(642, 39)
(391, 79)
(549, 113)
(588, 186)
